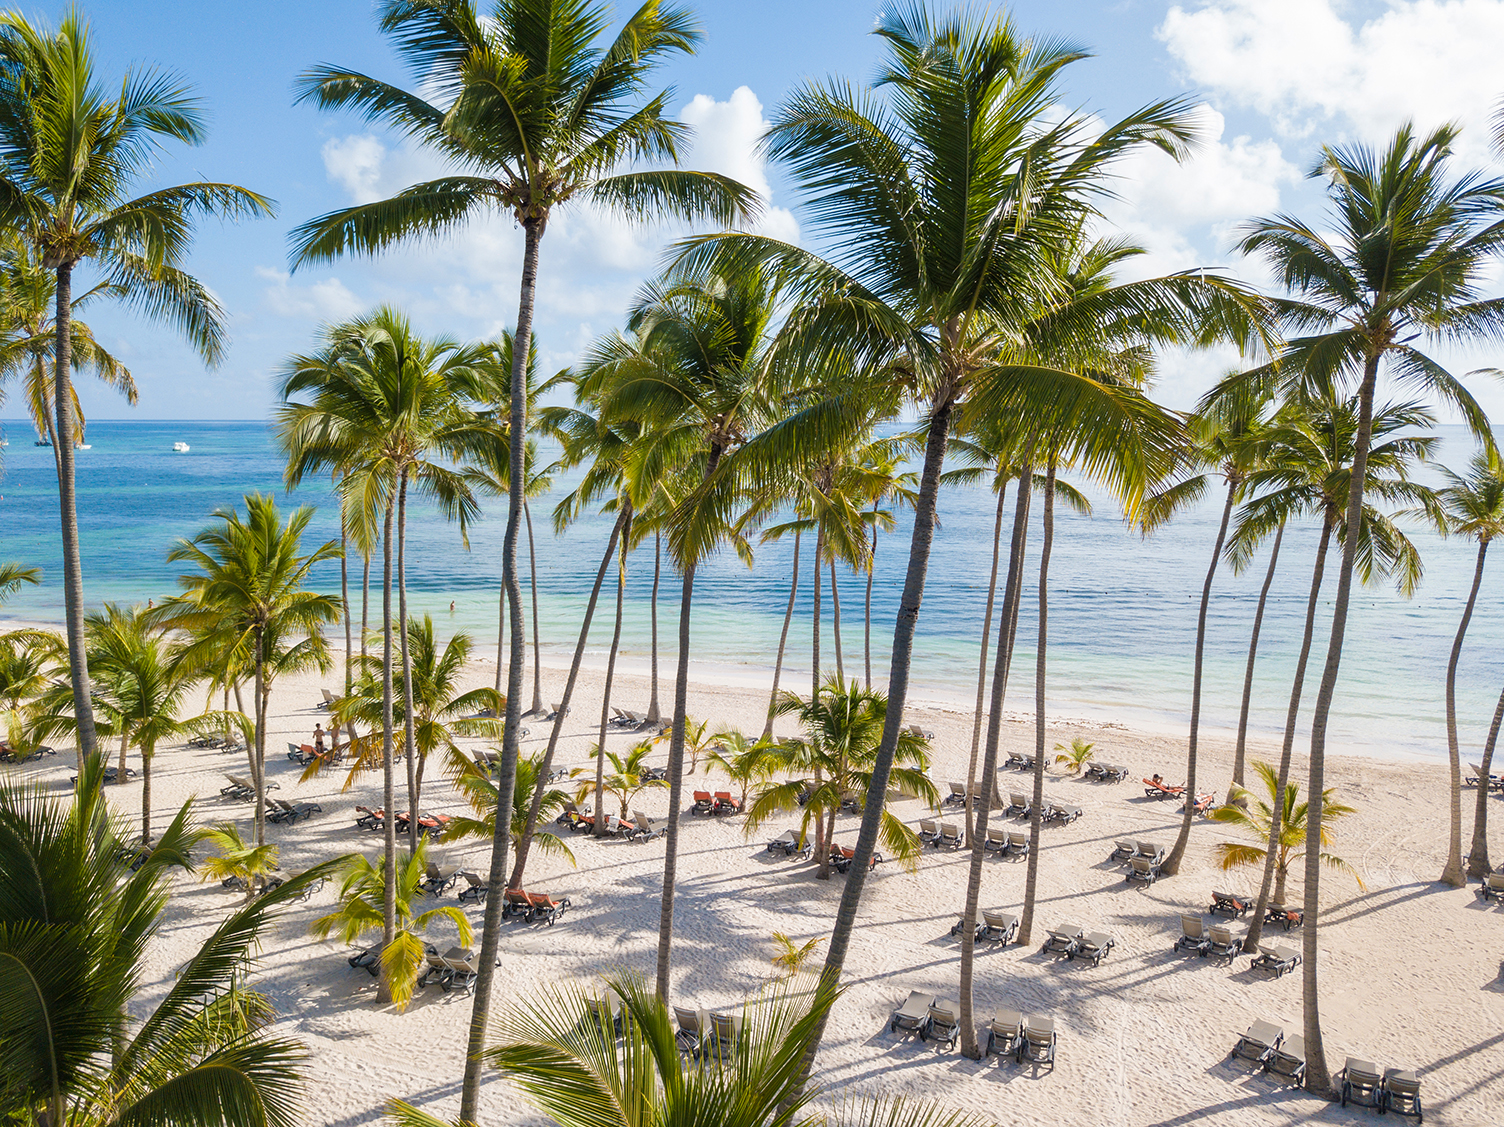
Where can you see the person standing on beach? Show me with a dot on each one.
(318, 739)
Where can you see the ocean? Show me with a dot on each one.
(1122, 607)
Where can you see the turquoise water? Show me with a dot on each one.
(1122, 611)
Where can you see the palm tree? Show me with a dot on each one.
(26, 659)
(30, 340)
(76, 924)
(924, 283)
(250, 596)
(142, 683)
(13, 575)
(693, 376)
(1228, 440)
(1257, 819)
(831, 766)
(70, 155)
(538, 116)
(1477, 861)
(744, 761)
(479, 790)
(1409, 252)
(362, 897)
(1474, 508)
(627, 778)
(440, 711)
(1307, 460)
(238, 861)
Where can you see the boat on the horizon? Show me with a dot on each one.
(42, 442)
(180, 448)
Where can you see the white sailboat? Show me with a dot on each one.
(180, 448)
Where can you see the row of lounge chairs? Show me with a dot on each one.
(244, 789)
(1023, 1037)
(958, 795)
(722, 802)
(1018, 761)
(1235, 904)
(430, 824)
(9, 754)
(1072, 941)
(997, 928)
(533, 906)
(1106, 772)
(792, 844)
(1363, 1083)
(946, 835)
(456, 968)
(703, 1034)
(111, 775)
(641, 828)
(304, 754)
(283, 812)
(1197, 938)
(217, 743)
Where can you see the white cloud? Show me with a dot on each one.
(727, 140)
(1305, 62)
(325, 300)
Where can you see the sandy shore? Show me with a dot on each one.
(1411, 973)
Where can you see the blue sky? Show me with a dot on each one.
(1273, 79)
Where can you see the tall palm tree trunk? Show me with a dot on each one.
(976, 719)
(654, 709)
(1240, 754)
(344, 602)
(365, 602)
(982, 810)
(501, 633)
(867, 608)
(783, 638)
(506, 780)
(530, 827)
(532, 578)
(1453, 873)
(388, 788)
(258, 743)
(822, 848)
(835, 622)
(600, 746)
(73, 578)
(1477, 859)
(1177, 851)
(409, 745)
(1318, 1077)
(676, 766)
(1256, 928)
(898, 688)
(148, 752)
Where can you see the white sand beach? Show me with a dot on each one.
(1411, 973)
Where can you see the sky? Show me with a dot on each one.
(1271, 81)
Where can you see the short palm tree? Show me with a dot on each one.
(250, 594)
(1474, 508)
(70, 155)
(627, 778)
(26, 658)
(743, 760)
(1410, 248)
(831, 766)
(1075, 754)
(440, 710)
(238, 860)
(362, 898)
(1255, 815)
(76, 924)
(479, 790)
(13, 575)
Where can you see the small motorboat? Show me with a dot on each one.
(180, 448)
(42, 442)
(82, 446)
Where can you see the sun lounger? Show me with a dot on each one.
(1063, 940)
(1204, 804)
(725, 804)
(545, 907)
(1038, 1044)
(1115, 773)
(1492, 887)
(1259, 1043)
(1285, 917)
(1160, 790)
(328, 701)
(1018, 805)
(1122, 850)
(1030, 762)
(929, 831)
(941, 1024)
(1144, 869)
(951, 836)
(291, 813)
(461, 966)
(957, 795)
(691, 1031)
(1005, 1033)
(725, 1034)
(923, 734)
(1018, 843)
(438, 878)
(955, 929)
(1062, 812)
(1094, 945)
(368, 959)
(238, 788)
(1015, 761)
(1193, 936)
(842, 856)
(1096, 771)
(1221, 942)
(515, 902)
(998, 927)
(704, 803)
(1277, 958)
(1361, 1083)
(647, 828)
(1475, 776)
(1150, 851)
(912, 1015)
(475, 888)
(1402, 1092)
(1288, 1059)
(788, 843)
(997, 840)
(1231, 904)
(369, 819)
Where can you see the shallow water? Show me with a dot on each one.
(1122, 608)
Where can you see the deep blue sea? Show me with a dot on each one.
(1122, 612)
